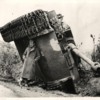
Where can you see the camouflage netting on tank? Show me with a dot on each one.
(33, 24)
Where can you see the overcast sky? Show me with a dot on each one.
(83, 16)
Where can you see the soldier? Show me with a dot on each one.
(30, 56)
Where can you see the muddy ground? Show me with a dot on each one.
(9, 88)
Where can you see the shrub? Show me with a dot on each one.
(10, 62)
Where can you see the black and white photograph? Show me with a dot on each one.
(49, 48)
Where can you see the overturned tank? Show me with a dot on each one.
(60, 61)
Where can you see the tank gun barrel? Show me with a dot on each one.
(94, 65)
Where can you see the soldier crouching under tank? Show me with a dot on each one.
(31, 57)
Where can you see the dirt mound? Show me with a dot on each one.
(5, 92)
(14, 90)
